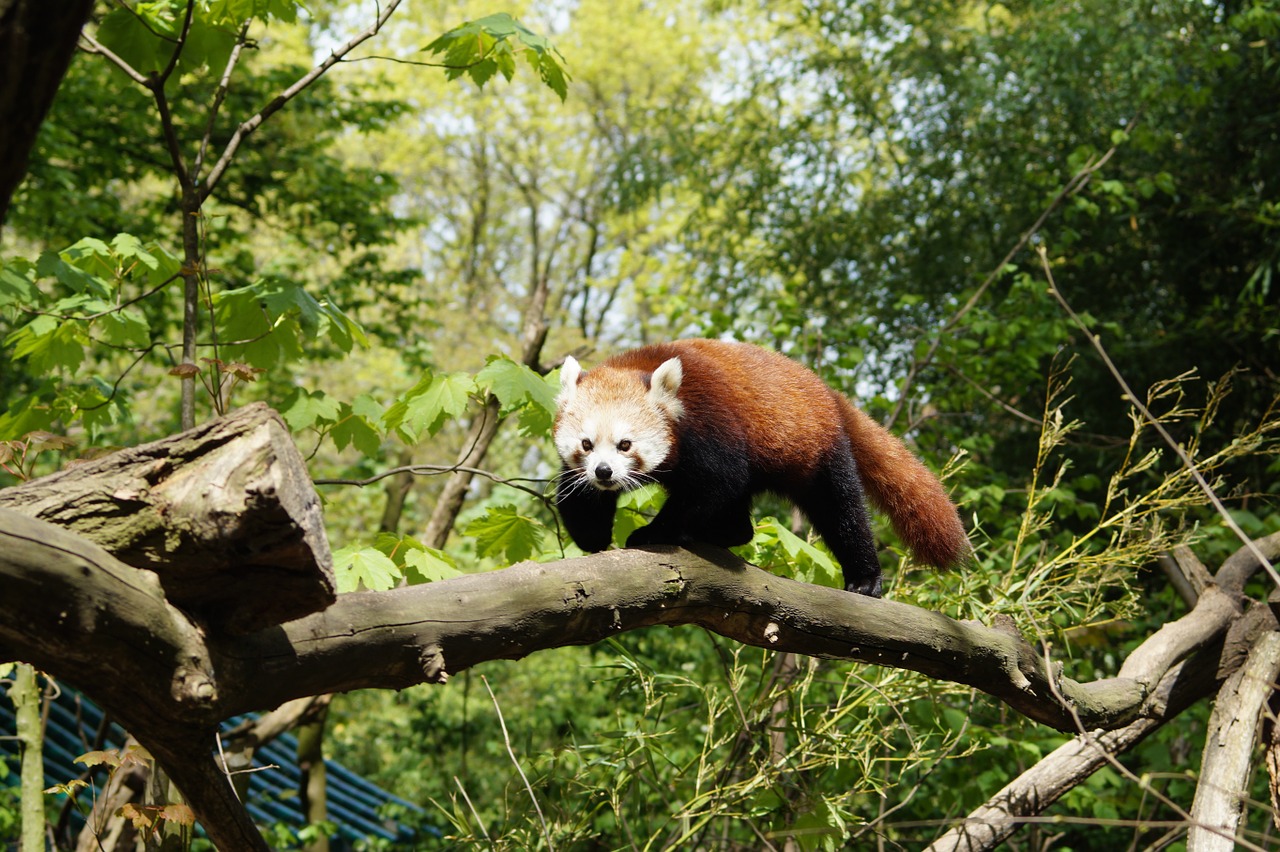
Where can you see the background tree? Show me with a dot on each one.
(864, 185)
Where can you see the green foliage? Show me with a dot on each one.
(778, 549)
(505, 533)
(364, 567)
(521, 391)
(144, 34)
(848, 193)
(429, 404)
(483, 47)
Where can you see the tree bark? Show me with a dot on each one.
(1187, 657)
(484, 427)
(25, 694)
(36, 46)
(221, 513)
(1229, 747)
(74, 610)
(77, 612)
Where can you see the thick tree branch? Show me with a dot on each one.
(112, 629)
(1229, 746)
(427, 633)
(82, 615)
(1217, 635)
(1032, 792)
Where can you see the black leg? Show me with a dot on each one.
(682, 520)
(587, 513)
(836, 507)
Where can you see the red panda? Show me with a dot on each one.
(716, 423)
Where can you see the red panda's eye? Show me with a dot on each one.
(586, 444)
(623, 446)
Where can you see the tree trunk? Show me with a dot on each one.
(25, 694)
(36, 46)
(483, 430)
(220, 513)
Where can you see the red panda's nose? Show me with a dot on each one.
(603, 472)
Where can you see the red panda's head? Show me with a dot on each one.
(614, 427)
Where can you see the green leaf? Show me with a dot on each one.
(133, 35)
(17, 283)
(520, 389)
(49, 344)
(420, 564)
(428, 565)
(27, 414)
(127, 246)
(432, 402)
(305, 408)
(125, 328)
(483, 47)
(357, 425)
(274, 318)
(808, 563)
(68, 268)
(358, 567)
(504, 533)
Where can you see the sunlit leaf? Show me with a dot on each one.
(358, 567)
(503, 532)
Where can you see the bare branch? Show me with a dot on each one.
(1229, 746)
(254, 122)
(1187, 461)
(133, 74)
(224, 86)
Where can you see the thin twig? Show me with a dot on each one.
(992, 397)
(172, 64)
(1075, 184)
(441, 468)
(253, 122)
(224, 86)
(133, 73)
(1187, 462)
(506, 738)
(112, 310)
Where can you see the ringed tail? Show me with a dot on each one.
(900, 486)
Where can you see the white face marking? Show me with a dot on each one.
(611, 439)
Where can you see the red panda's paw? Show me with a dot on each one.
(869, 586)
(653, 534)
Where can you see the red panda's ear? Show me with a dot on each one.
(569, 374)
(664, 385)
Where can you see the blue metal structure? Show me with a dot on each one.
(354, 804)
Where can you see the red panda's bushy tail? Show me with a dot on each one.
(898, 484)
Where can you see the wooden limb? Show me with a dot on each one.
(427, 633)
(1032, 792)
(240, 745)
(1229, 747)
(220, 513)
(75, 611)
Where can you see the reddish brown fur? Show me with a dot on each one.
(790, 419)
